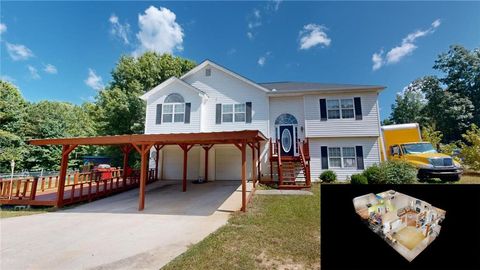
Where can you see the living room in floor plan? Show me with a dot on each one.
(406, 223)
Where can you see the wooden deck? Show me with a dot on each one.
(78, 188)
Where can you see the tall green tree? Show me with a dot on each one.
(13, 108)
(462, 74)
(120, 110)
(409, 105)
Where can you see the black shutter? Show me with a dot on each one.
(248, 113)
(324, 154)
(323, 109)
(158, 119)
(218, 114)
(359, 151)
(187, 112)
(358, 108)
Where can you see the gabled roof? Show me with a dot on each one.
(168, 82)
(295, 87)
(225, 70)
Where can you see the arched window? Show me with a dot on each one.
(174, 109)
(174, 98)
(286, 119)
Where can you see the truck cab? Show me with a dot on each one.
(404, 142)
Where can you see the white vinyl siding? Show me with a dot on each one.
(166, 127)
(223, 88)
(342, 127)
(370, 154)
(290, 105)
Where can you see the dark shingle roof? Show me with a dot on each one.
(292, 87)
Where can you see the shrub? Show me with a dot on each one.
(397, 172)
(358, 179)
(372, 174)
(328, 176)
(471, 149)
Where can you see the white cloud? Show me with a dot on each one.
(250, 35)
(313, 35)
(275, 4)
(50, 69)
(262, 60)
(33, 72)
(256, 13)
(18, 51)
(397, 53)
(119, 30)
(93, 80)
(232, 51)
(377, 59)
(3, 28)
(159, 31)
(436, 23)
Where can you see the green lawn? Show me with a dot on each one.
(277, 232)
(9, 212)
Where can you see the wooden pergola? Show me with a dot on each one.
(142, 143)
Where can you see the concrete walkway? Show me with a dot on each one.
(112, 234)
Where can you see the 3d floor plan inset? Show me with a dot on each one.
(406, 223)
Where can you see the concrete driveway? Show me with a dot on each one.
(112, 234)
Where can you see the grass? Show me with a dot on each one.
(9, 212)
(470, 179)
(277, 232)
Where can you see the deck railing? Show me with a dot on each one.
(78, 187)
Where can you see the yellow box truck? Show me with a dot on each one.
(404, 142)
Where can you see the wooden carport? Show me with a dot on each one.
(144, 142)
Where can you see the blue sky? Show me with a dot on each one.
(66, 50)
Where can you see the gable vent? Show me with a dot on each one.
(208, 72)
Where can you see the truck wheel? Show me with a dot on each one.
(451, 178)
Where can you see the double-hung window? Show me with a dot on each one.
(174, 109)
(233, 113)
(340, 108)
(342, 157)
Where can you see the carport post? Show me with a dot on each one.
(254, 171)
(66, 150)
(244, 176)
(185, 148)
(157, 157)
(258, 162)
(143, 151)
(206, 148)
(126, 150)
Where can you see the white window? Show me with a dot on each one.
(340, 108)
(174, 109)
(233, 113)
(335, 157)
(342, 157)
(333, 109)
(347, 108)
(349, 158)
(174, 113)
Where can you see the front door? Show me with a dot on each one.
(287, 140)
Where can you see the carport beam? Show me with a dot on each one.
(66, 150)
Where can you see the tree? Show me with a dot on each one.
(51, 119)
(409, 104)
(471, 148)
(462, 68)
(431, 135)
(13, 109)
(120, 110)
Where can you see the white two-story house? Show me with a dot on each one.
(312, 127)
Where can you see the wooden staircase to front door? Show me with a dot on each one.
(289, 172)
